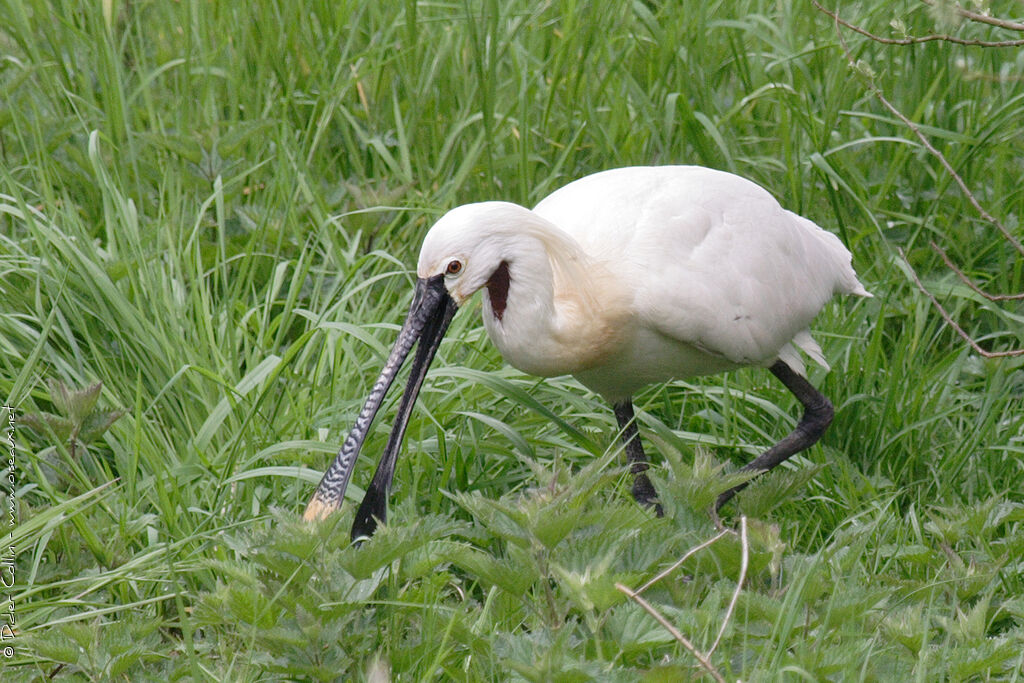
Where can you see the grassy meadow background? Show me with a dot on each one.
(214, 209)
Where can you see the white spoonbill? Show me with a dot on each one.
(623, 278)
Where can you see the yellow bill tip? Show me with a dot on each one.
(317, 510)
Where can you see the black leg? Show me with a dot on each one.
(816, 418)
(643, 490)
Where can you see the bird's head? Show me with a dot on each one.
(469, 244)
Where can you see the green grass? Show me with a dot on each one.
(214, 208)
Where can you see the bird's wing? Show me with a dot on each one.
(712, 259)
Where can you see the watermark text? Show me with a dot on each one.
(8, 610)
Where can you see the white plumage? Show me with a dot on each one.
(622, 279)
(645, 274)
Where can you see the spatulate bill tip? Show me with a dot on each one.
(317, 510)
(363, 528)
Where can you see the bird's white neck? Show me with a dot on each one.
(562, 311)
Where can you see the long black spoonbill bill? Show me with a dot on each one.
(623, 278)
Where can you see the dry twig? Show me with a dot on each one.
(703, 658)
(744, 562)
(916, 130)
(952, 323)
(926, 143)
(913, 40)
(683, 640)
(687, 555)
(969, 282)
(983, 18)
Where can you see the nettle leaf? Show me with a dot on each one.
(55, 645)
(78, 419)
(491, 570)
(83, 402)
(633, 629)
(251, 607)
(760, 607)
(593, 588)
(547, 655)
(98, 422)
(498, 518)
(48, 423)
(75, 405)
(973, 624)
(235, 573)
(776, 487)
(907, 626)
(425, 562)
(1015, 607)
(551, 526)
(393, 542)
(60, 396)
(990, 657)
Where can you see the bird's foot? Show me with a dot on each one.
(722, 499)
(715, 519)
(644, 493)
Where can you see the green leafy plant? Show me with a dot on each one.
(216, 208)
(77, 422)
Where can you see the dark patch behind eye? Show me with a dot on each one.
(497, 289)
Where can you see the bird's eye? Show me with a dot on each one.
(454, 268)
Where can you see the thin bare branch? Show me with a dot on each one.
(952, 323)
(744, 562)
(689, 553)
(969, 282)
(914, 40)
(877, 92)
(983, 18)
(667, 625)
(704, 659)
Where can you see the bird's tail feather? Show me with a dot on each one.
(791, 357)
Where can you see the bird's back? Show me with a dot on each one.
(712, 259)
